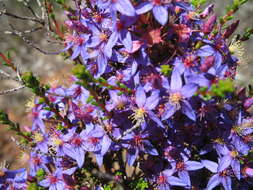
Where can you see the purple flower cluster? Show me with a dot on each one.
(148, 62)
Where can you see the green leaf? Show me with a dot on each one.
(197, 3)
(166, 70)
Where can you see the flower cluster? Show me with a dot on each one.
(152, 89)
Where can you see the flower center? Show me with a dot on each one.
(93, 140)
(156, 2)
(97, 17)
(77, 40)
(161, 180)
(77, 141)
(137, 140)
(36, 161)
(121, 104)
(57, 141)
(234, 153)
(180, 166)
(189, 61)
(103, 37)
(139, 114)
(175, 98)
(38, 137)
(52, 179)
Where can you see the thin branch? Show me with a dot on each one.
(26, 31)
(4, 92)
(5, 12)
(30, 43)
(27, 4)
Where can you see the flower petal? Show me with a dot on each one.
(213, 182)
(193, 165)
(155, 118)
(126, 40)
(188, 90)
(175, 181)
(226, 182)
(236, 167)
(188, 111)
(210, 165)
(184, 176)
(176, 80)
(160, 14)
(169, 111)
(125, 7)
(111, 42)
(152, 100)
(140, 97)
(224, 163)
(144, 7)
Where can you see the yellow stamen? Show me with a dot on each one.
(139, 115)
(56, 141)
(234, 154)
(103, 37)
(38, 137)
(238, 50)
(175, 98)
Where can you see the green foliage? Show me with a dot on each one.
(40, 174)
(197, 3)
(222, 87)
(108, 187)
(166, 70)
(4, 119)
(219, 89)
(60, 1)
(81, 73)
(32, 82)
(248, 32)
(34, 186)
(139, 184)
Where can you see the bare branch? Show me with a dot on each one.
(4, 92)
(5, 12)
(30, 43)
(26, 31)
(27, 4)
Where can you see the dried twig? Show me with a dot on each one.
(5, 12)
(4, 92)
(30, 43)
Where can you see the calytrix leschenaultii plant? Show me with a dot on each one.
(151, 105)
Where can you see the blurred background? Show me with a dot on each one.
(53, 68)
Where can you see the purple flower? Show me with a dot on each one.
(75, 146)
(13, 179)
(229, 158)
(38, 161)
(178, 95)
(125, 7)
(136, 143)
(96, 141)
(221, 177)
(54, 180)
(145, 105)
(120, 31)
(116, 102)
(159, 10)
(182, 168)
(79, 43)
(165, 180)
